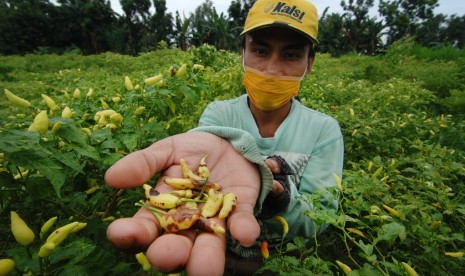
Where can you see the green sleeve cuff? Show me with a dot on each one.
(245, 144)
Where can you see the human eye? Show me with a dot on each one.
(293, 55)
(260, 51)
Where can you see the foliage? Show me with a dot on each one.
(403, 133)
(92, 27)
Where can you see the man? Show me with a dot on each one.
(296, 150)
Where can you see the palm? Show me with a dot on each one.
(171, 251)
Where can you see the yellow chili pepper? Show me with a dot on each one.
(67, 113)
(139, 110)
(197, 67)
(283, 223)
(356, 231)
(435, 225)
(15, 100)
(46, 226)
(87, 131)
(344, 267)
(128, 83)
(393, 211)
(56, 126)
(104, 104)
(21, 231)
(213, 204)
(50, 103)
(229, 203)
(410, 271)
(152, 80)
(182, 71)
(454, 254)
(90, 92)
(40, 123)
(60, 234)
(77, 93)
(338, 182)
(46, 249)
(143, 261)
(116, 119)
(6, 266)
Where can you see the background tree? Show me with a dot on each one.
(238, 10)
(86, 24)
(198, 29)
(161, 24)
(182, 36)
(454, 32)
(135, 22)
(404, 17)
(330, 34)
(361, 33)
(25, 25)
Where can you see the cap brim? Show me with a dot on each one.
(278, 24)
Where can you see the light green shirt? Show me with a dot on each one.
(311, 143)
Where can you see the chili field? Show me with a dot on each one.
(402, 204)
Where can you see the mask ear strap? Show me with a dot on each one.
(243, 58)
(305, 72)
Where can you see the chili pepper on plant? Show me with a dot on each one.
(283, 223)
(21, 231)
(143, 261)
(265, 251)
(77, 93)
(40, 123)
(15, 100)
(345, 268)
(50, 103)
(393, 211)
(46, 226)
(455, 254)
(410, 271)
(6, 266)
(152, 80)
(128, 83)
(182, 71)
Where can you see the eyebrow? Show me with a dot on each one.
(297, 45)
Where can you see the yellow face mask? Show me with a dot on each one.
(269, 92)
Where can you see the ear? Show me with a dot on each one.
(310, 64)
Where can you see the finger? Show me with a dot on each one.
(170, 252)
(134, 234)
(243, 225)
(277, 188)
(273, 165)
(208, 255)
(138, 167)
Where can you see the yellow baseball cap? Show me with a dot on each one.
(299, 15)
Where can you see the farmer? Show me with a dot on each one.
(264, 146)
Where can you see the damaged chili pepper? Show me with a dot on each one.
(213, 204)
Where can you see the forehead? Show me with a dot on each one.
(277, 35)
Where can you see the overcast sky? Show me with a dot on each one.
(447, 7)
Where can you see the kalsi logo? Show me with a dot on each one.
(283, 9)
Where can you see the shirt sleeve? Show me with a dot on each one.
(318, 178)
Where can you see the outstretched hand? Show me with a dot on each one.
(200, 253)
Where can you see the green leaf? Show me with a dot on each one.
(389, 232)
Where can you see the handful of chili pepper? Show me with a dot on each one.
(178, 210)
